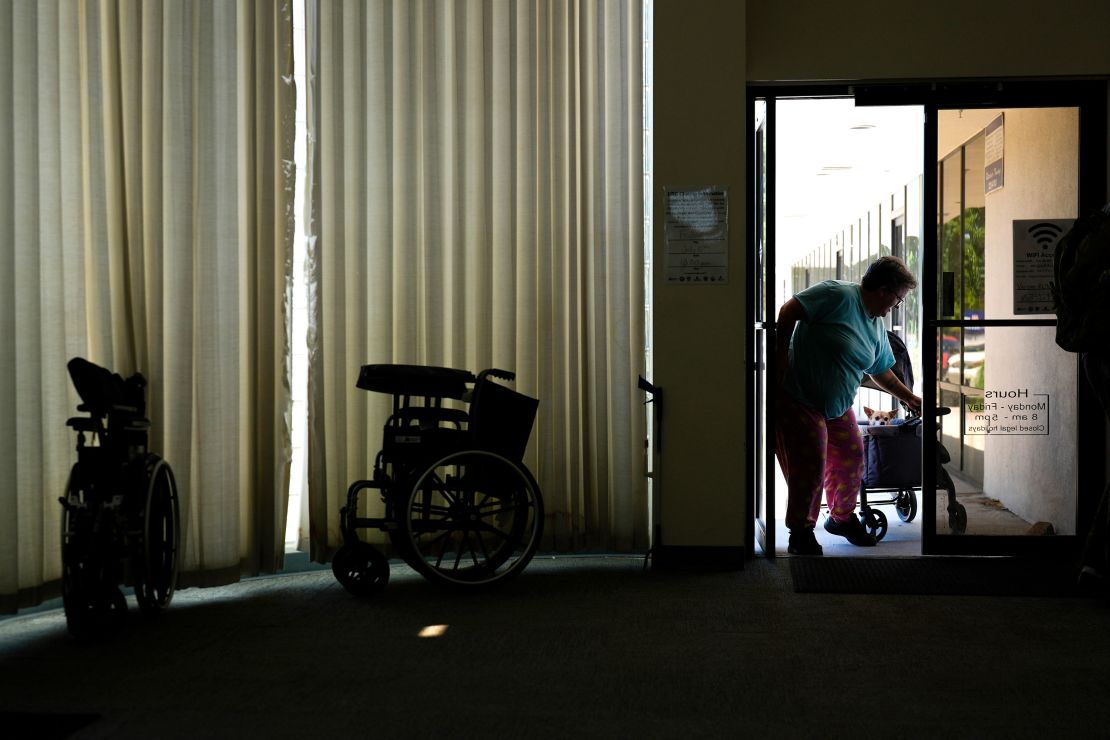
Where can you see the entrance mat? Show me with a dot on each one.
(967, 576)
(43, 725)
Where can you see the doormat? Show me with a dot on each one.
(960, 576)
(46, 725)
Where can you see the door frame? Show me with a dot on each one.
(760, 455)
(1087, 94)
(761, 318)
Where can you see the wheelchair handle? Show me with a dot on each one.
(508, 375)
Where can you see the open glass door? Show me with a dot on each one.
(1008, 455)
(761, 456)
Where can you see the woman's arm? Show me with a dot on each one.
(789, 316)
(889, 382)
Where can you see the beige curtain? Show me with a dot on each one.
(476, 200)
(146, 192)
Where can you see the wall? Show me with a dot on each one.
(704, 51)
(699, 329)
(1032, 475)
(870, 39)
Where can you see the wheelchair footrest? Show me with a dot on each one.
(375, 523)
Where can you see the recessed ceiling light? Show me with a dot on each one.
(862, 126)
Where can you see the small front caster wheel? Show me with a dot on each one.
(906, 505)
(957, 518)
(874, 521)
(361, 568)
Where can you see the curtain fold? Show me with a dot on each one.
(146, 188)
(476, 200)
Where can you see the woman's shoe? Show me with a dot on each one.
(852, 529)
(804, 542)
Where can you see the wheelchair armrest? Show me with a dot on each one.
(82, 423)
(430, 414)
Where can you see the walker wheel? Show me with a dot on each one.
(906, 505)
(361, 568)
(874, 521)
(957, 518)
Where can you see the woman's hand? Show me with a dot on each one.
(914, 403)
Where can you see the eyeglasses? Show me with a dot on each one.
(900, 301)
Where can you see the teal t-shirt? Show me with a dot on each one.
(834, 347)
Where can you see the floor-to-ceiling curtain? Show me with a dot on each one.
(146, 194)
(476, 200)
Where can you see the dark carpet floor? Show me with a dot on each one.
(576, 648)
(950, 576)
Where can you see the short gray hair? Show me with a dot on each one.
(890, 273)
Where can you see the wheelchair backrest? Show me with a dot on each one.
(501, 419)
(103, 392)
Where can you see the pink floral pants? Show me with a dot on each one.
(817, 453)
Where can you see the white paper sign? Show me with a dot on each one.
(696, 236)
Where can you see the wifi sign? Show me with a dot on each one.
(1046, 234)
(1035, 242)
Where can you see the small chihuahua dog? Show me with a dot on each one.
(877, 418)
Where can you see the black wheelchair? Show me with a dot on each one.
(120, 518)
(461, 507)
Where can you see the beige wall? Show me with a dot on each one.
(1034, 476)
(705, 51)
(870, 39)
(699, 329)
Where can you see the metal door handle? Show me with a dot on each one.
(948, 294)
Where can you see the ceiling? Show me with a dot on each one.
(834, 161)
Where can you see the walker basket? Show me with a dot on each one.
(892, 456)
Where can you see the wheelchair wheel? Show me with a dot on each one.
(91, 598)
(472, 518)
(906, 505)
(361, 568)
(93, 610)
(157, 553)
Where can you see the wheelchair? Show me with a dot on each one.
(120, 517)
(461, 508)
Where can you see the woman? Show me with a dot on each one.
(829, 336)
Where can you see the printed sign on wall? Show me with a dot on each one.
(696, 236)
(994, 142)
(1034, 246)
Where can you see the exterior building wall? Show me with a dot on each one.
(1032, 475)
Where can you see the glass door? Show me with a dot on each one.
(1006, 453)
